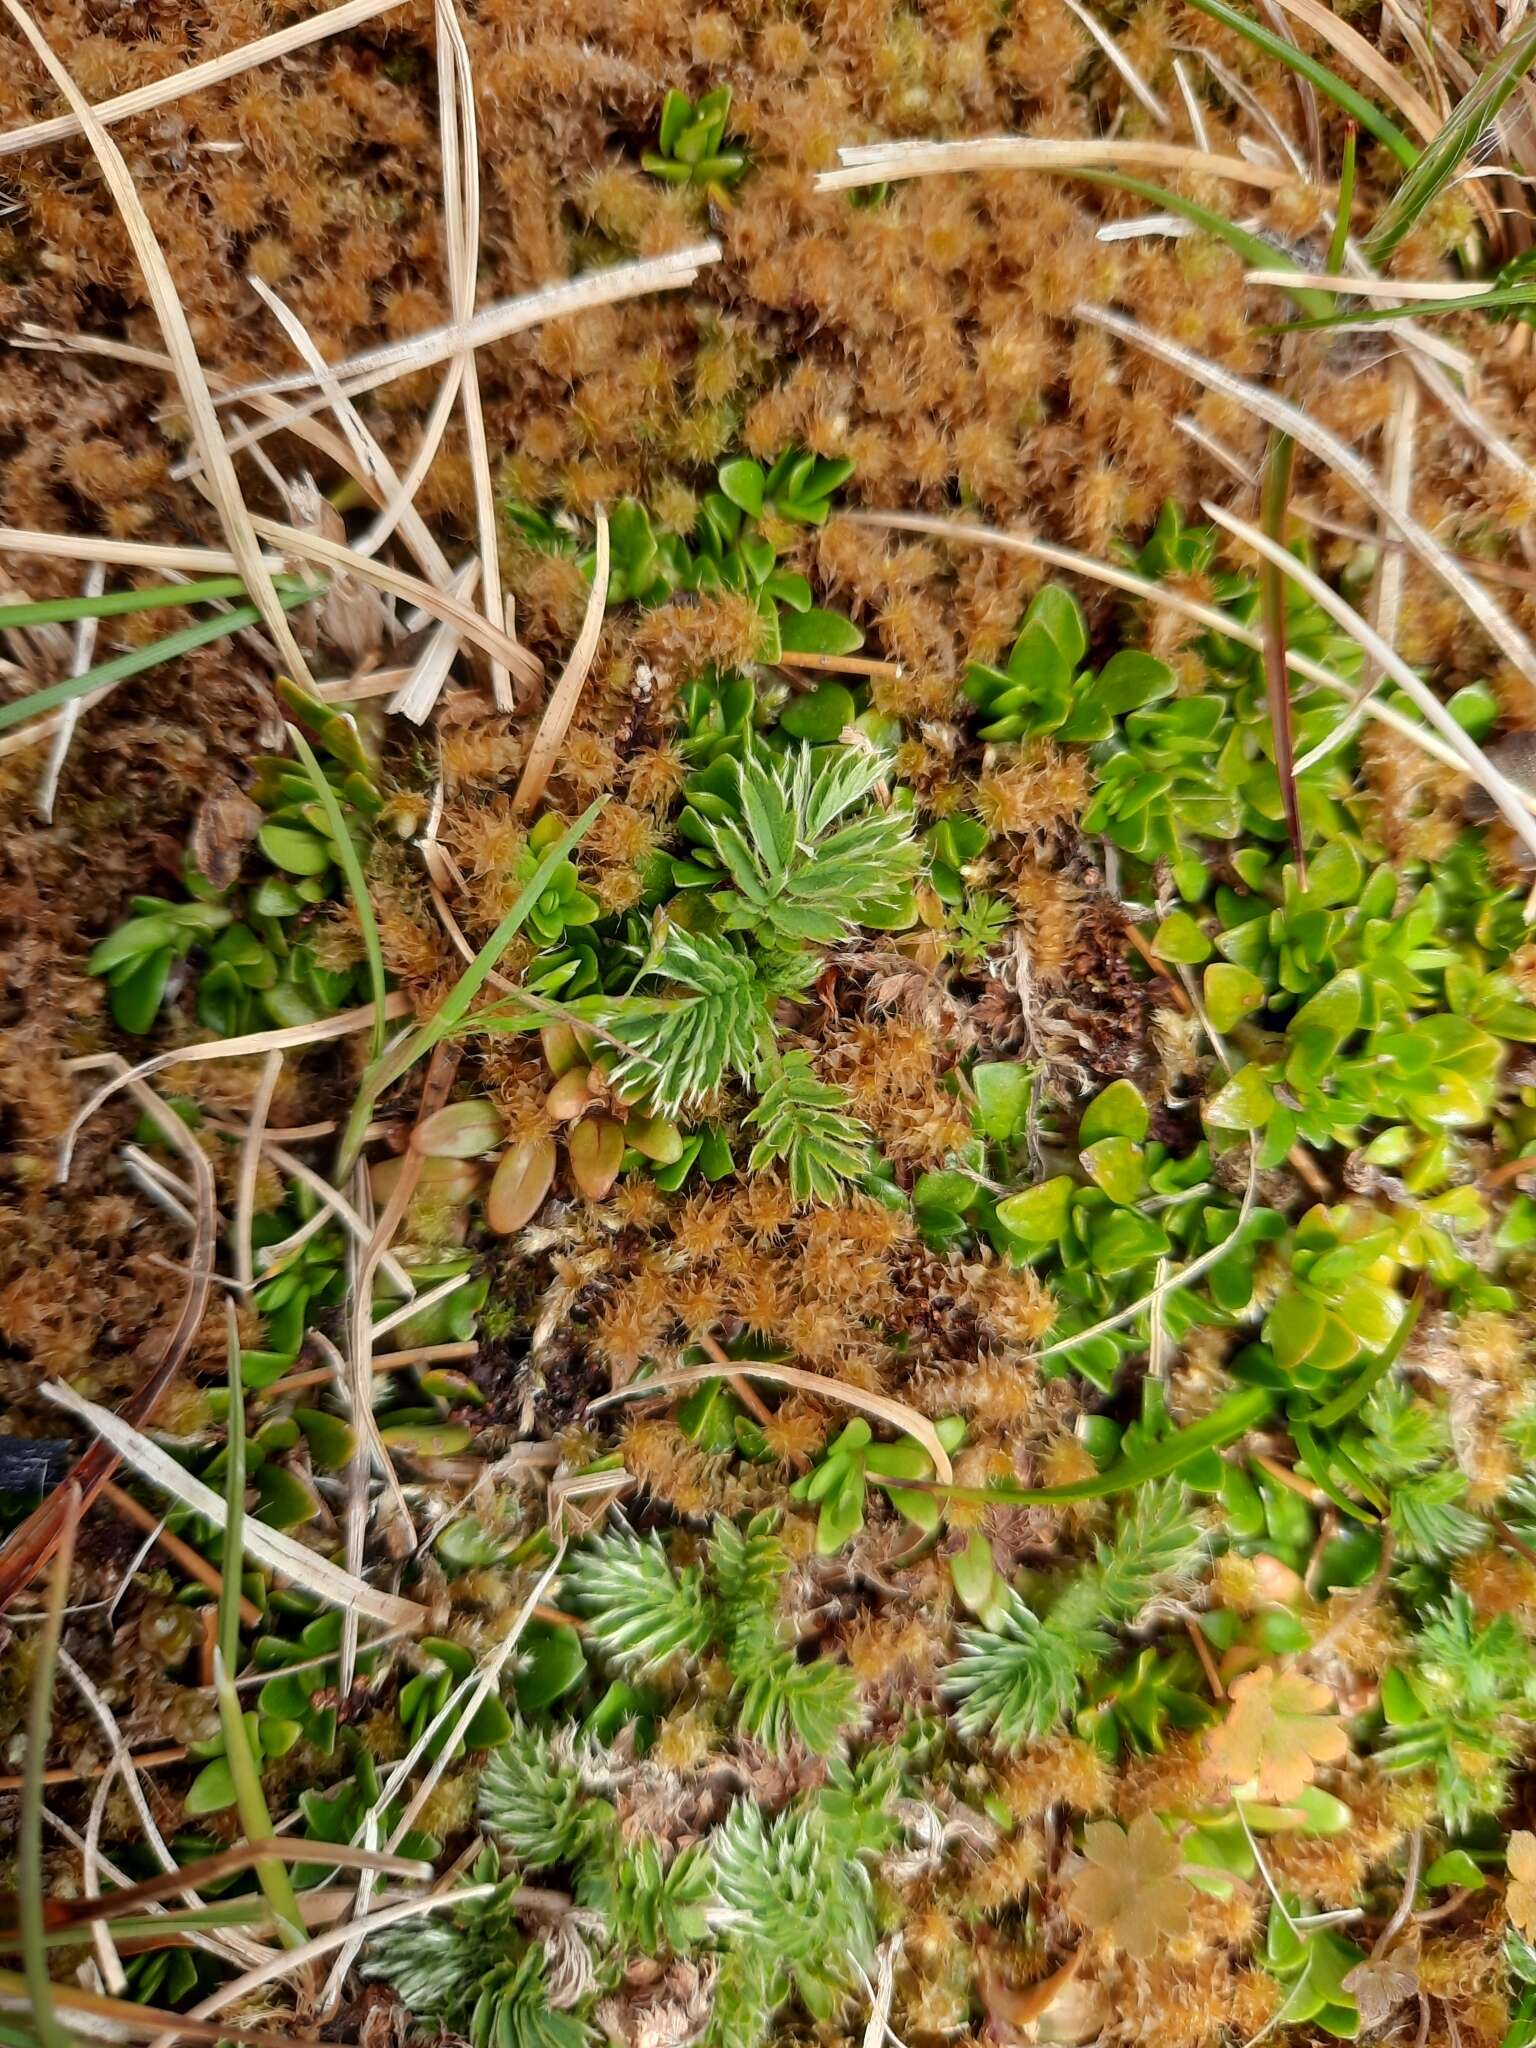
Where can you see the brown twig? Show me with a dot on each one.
(192, 1563)
(743, 1389)
(142, 1760)
(386, 1361)
(1207, 1662)
(841, 664)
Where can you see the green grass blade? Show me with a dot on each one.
(1497, 299)
(250, 1801)
(383, 1073)
(29, 1834)
(1252, 248)
(114, 604)
(1355, 104)
(137, 659)
(1339, 239)
(352, 868)
(1233, 1419)
(1469, 121)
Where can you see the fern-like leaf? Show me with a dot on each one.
(779, 1696)
(680, 1048)
(1019, 1680)
(808, 1125)
(1156, 1551)
(642, 1613)
(804, 870)
(537, 1803)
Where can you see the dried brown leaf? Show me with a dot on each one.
(1276, 1734)
(1129, 1886)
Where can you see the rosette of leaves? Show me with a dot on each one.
(306, 1280)
(445, 1665)
(731, 551)
(792, 850)
(1460, 1707)
(1099, 1240)
(606, 1127)
(563, 904)
(1044, 690)
(261, 968)
(1312, 1964)
(852, 1462)
(338, 1815)
(474, 1970)
(291, 1707)
(137, 957)
(691, 145)
(643, 1614)
(1019, 1674)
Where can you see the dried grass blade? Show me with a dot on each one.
(671, 272)
(460, 144)
(897, 1413)
(29, 1838)
(1327, 447)
(134, 2019)
(1473, 760)
(131, 1899)
(270, 1547)
(162, 91)
(1365, 58)
(1369, 116)
(281, 1039)
(550, 737)
(883, 162)
(1469, 121)
(80, 660)
(224, 485)
(1120, 61)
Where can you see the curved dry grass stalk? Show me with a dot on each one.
(1404, 288)
(1328, 448)
(463, 1702)
(224, 485)
(370, 465)
(80, 660)
(1387, 585)
(460, 143)
(333, 1203)
(227, 1943)
(897, 1413)
(550, 737)
(283, 1039)
(1120, 61)
(619, 281)
(1154, 593)
(879, 163)
(1369, 62)
(1474, 762)
(298, 35)
(250, 1161)
(271, 1547)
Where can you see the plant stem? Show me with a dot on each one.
(352, 868)
(1278, 466)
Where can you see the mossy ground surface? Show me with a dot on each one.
(930, 339)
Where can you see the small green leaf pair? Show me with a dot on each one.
(137, 958)
(689, 145)
(851, 1461)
